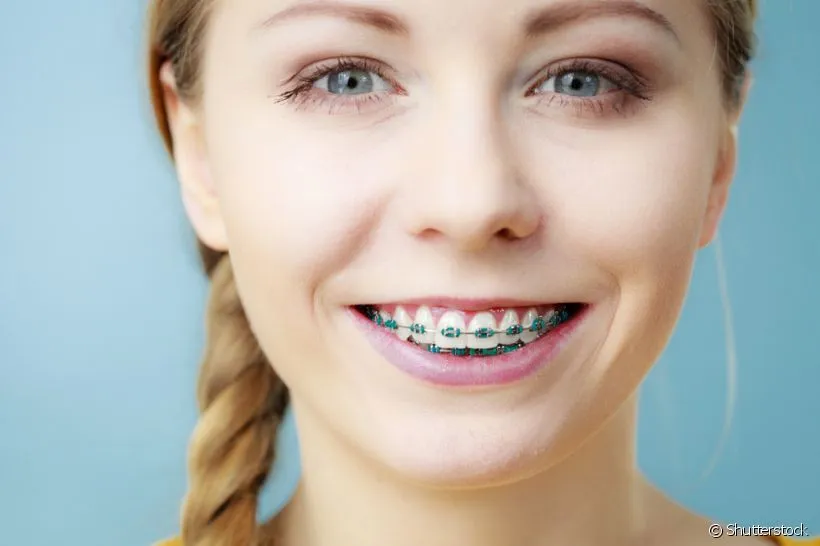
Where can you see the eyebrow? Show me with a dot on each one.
(541, 21)
(364, 15)
(551, 17)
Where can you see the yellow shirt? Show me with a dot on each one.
(780, 541)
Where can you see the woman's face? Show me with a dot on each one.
(475, 162)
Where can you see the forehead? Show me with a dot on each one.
(416, 18)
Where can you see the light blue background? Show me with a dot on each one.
(101, 296)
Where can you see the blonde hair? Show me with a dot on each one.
(241, 398)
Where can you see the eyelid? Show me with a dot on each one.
(622, 76)
(313, 73)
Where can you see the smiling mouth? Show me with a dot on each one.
(486, 333)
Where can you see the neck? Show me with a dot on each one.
(595, 496)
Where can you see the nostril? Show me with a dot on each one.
(507, 234)
(430, 234)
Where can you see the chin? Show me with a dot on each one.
(469, 451)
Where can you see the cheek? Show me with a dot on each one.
(294, 204)
(632, 203)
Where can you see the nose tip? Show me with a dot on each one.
(474, 220)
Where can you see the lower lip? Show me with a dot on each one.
(464, 371)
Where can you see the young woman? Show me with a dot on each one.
(454, 236)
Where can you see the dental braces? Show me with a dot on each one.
(539, 325)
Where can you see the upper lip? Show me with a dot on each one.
(467, 304)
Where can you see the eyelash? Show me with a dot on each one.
(630, 87)
(304, 94)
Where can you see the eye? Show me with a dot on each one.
(577, 83)
(352, 82)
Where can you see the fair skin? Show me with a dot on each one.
(463, 173)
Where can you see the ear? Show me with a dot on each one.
(725, 169)
(199, 195)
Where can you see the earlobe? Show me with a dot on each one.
(199, 195)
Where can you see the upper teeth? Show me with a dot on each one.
(403, 321)
(484, 330)
(509, 322)
(424, 327)
(528, 334)
(451, 332)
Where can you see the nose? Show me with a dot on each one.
(470, 191)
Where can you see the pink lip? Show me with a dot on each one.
(458, 371)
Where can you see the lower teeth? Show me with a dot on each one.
(542, 326)
(495, 351)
